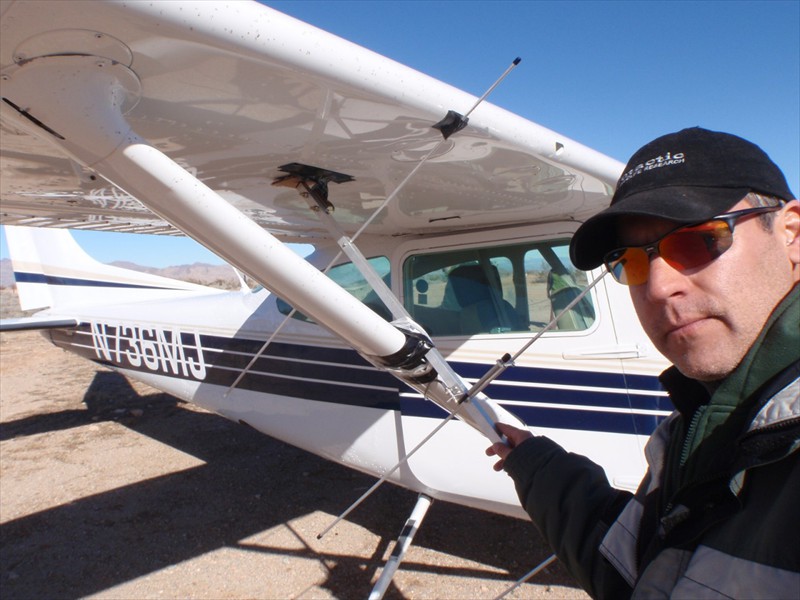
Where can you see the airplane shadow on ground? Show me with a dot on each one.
(249, 483)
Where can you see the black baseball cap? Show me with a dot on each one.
(686, 177)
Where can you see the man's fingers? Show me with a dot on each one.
(498, 449)
(514, 435)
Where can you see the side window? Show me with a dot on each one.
(553, 283)
(495, 290)
(351, 279)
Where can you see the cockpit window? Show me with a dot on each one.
(503, 289)
(351, 279)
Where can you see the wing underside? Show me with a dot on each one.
(236, 97)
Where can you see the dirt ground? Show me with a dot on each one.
(111, 489)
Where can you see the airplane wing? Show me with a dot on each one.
(214, 116)
(239, 95)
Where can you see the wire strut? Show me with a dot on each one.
(528, 576)
(347, 245)
(384, 292)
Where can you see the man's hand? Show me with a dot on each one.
(514, 436)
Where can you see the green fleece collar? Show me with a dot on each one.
(776, 348)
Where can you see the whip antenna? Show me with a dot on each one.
(510, 68)
(527, 576)
(452, 123)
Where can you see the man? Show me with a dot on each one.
(705, 231)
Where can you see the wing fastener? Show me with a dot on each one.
(314, 180)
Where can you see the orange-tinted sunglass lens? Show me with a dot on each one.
(684, 248)
(629, 266)
(695, 246)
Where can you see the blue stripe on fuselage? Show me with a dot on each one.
(553, 417)
(53, 280)
(341, 376)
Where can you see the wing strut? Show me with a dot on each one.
(85, 98)
(403, 543)
(314, 181)
(500, 366)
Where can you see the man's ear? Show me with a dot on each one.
(790, 223)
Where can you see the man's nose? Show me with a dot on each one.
(664, 280)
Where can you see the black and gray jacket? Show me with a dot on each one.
(718, 512)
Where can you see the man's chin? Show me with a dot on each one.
(703, 370)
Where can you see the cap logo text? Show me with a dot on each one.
(658, 162)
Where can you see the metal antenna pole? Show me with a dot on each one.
(510, 68)
(432, 151)
(527, 576)
(366, 269)
(386, 475)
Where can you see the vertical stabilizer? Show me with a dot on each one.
(51, 270)
(25, 260)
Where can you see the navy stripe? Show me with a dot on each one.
(267, 364)
(278, 372)
(546, 376)
(344, 356)
(617, 397)
(350, 395)
(622, 388)
(53, 280)
(586, 420)
(644, 382)
(548, 417)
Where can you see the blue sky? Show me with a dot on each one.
(611, 75)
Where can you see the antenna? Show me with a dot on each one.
(451, 124)
(527, 576)
(299, 175)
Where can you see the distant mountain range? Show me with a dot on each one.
(219, 276)
(6, 274)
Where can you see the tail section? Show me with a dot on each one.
(52, 270)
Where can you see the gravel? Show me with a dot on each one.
(111, 489)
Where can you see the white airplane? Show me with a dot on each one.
(246, 129)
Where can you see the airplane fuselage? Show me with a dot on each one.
(589, 386)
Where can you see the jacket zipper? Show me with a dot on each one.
(680, 516)
(687, 441)
(770, 428)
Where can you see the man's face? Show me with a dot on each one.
(705, 319)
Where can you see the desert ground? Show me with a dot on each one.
(111, 489)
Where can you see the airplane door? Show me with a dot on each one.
(481, 301)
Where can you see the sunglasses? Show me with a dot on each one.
(683, 248)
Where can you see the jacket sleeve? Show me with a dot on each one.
(569, 499)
